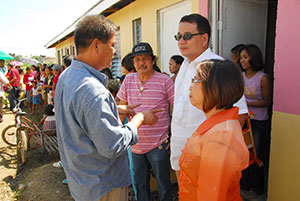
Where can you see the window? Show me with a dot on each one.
(137, 31)
(67, 51)
(74, 52)
(58, 57)
(72, 48)
(116, 62)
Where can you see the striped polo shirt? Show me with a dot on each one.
(155, 93)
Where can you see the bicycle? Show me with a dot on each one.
(15, 134)
(9, 133)
(22, 133)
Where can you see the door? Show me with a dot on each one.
(168, 26)
(239, 21)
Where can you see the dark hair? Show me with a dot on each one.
(37, 69)
(155, 66)
(236, 50)
(49, 110)
(49, 67)
(67, 60)
(20, 70)
(93, 27)
(201, 22)
(9, 64)
(127, 62)
(107, 72)
(222, 84)
(178, 59)
(27, 68)
(122, 78)
(256, 59)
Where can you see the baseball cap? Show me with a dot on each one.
(141, 49)
(57, 67)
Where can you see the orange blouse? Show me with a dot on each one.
(212, 160)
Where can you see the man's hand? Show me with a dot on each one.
(127, 109)
(149, 116)
(9, 86)
(146, 117)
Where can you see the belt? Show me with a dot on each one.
(160, 146)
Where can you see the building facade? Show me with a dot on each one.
(273, 25)
(284, 172)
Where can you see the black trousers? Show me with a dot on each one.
(253, 176)
(13, 97)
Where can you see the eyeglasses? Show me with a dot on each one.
(186, 36)
(196, 80)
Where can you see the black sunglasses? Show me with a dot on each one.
(186, 36)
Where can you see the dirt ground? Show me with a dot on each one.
(37, 180)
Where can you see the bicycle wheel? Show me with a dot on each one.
(22, 144)
(9, 135)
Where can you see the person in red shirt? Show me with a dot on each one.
(28, 77)
(33, 71)
(3, 81)
(56, 72)
(14, 81)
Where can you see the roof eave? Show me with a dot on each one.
(99, 7)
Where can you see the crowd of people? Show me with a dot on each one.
(114, 134)
(35, 83)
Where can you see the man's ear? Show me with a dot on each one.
(95, 45)
(205, 38)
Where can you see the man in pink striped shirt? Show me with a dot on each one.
(153, 90)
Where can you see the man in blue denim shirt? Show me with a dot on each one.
(92, 140)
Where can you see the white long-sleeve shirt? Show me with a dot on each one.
(3, 80)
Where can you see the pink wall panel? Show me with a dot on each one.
(287, 58)
(203, 7)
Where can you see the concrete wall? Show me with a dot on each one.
(62, 46)
(284, 171)
(148, 12)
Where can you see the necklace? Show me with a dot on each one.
(142, 88)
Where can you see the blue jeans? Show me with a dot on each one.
(157, 160)
(131, 170)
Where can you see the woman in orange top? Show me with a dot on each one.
(213, 158)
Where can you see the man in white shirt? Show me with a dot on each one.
(193, 39)
(3, 81)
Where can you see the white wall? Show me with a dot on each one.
(169, 21)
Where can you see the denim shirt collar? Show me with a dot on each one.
(100, 76)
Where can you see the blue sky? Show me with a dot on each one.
(27, 25)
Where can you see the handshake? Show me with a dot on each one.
(147, 117)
